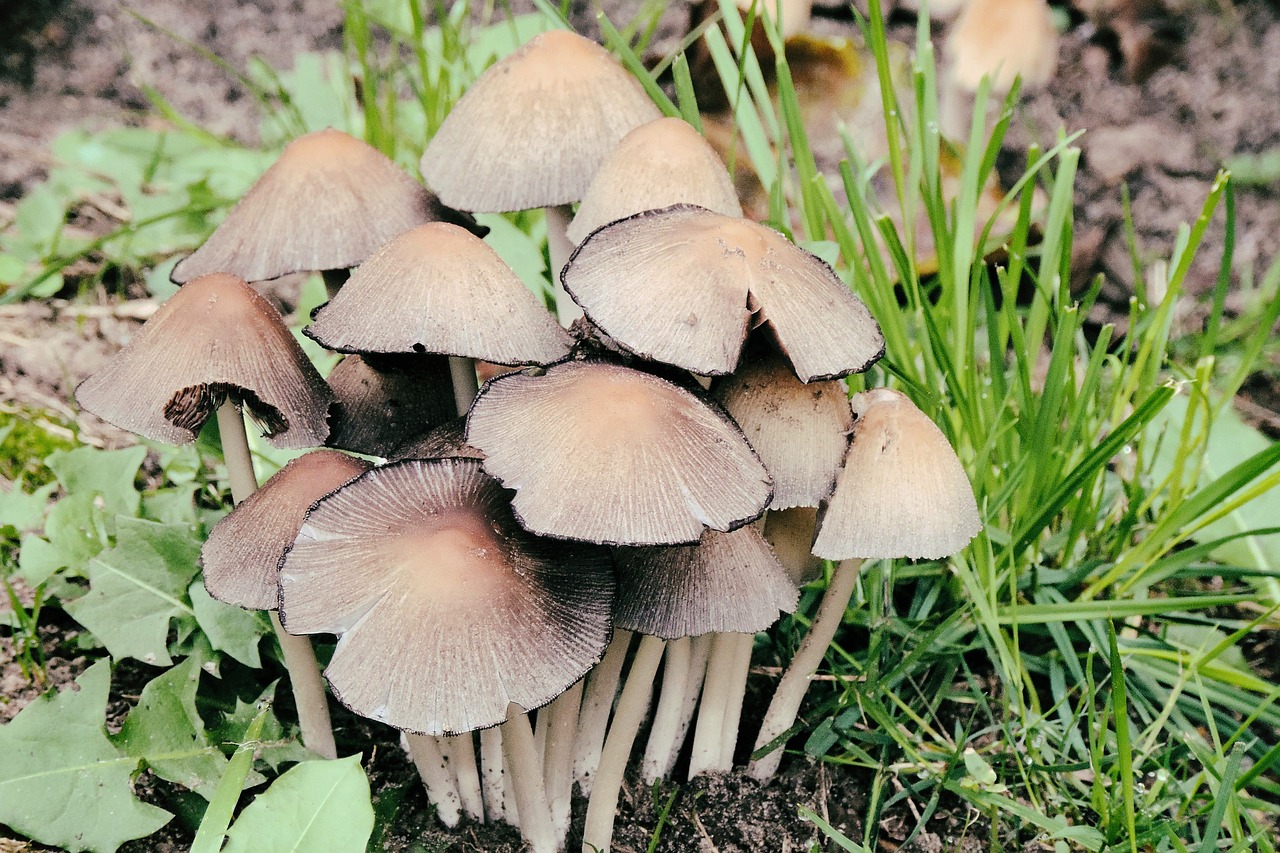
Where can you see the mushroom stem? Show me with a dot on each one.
(559, 248)
(333, 280)
(740, 668)
(715, 693)
(597, 702)
(460, 752)
(434, 770)
(632, 705)
(795, 681)
(557, 764)
(299, 656)
(666, 719)
(522, 763)
(699, 651)
(465, 383)
(491, 770)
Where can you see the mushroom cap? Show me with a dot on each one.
(1003, 39)
(725, 582)
(215, 339)
(607, 454)
(800, 431)
(902, 491)
(661, 163)
(789, 533)
(447, 441)
(535, 127)
(383, 401)
(439, 288)
(242, 555)
(680, 286)
(447, 610)
(326, 203)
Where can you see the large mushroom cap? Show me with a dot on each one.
(447, 610)
(607, 454)
(440, 289)
(533, 130)
(215, 339)
(679, 286)
(383, 402)
(327, 203)
(902, 491)
(242, 555)
(1003, 39)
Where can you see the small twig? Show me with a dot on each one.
(776, 672)
(702, 830)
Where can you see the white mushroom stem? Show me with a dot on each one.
(491, 772)
(559, 248)
(299, 656)
(795, 681)
(597, 835)
(708, 733)
(699, 651)
(597, 702)
(557, 762)
(742, 646)
(465, 383)
(522, 762)
(460, 753)
(434, 770)
(666, 719)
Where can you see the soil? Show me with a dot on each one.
(1168, 93)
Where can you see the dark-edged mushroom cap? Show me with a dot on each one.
(447, 610)
(680, 285)
(447, 441)
(242, 555)
(725, 582)
(902, 491)
(661, 163)
(215, 339)
(603, 453)
(535, 127)
(440, 289)
(327, 203)
(800, 431)
(383, 401)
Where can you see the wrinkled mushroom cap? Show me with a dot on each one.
(1003, 39)
(533, 130)
(215, 339)
(382, 402)
(447, 610)
(902, 491)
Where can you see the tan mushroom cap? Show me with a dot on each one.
(607, 454)
(1003, 39)
(447, 610)
(725, 582)
(533, 130)
(902, 491)
(661, 163)
(800, 431)
(327, 203)
(681, 285)
(439, 288)
(384, 401)
(242, 555)
(215, 339)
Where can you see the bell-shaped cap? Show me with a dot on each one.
(440, 289)
(384, 401)
(215, 339)
(327, 203)
(661, 163)
(607, 454)
(1003, 39)
(725, 582)
(800, 431)
(447, 610)
(902, 491)
(535, 127)
(242, 555)
(681, 285)
(447, 441)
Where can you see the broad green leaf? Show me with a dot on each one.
(275, 748)
(317, 806)
(77, 530)
(138, 587)
(217, 817)
(22, 510)
(110, 473)
(62, 782)
(38, 559)
(230, 629)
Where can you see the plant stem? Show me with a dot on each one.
(522, 762)
(559, 248)
(597, 702)
(465, 383)
(795, 681)
(434, 770)
(557, 762)
(666, 719)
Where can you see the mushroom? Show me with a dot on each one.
(383, 400)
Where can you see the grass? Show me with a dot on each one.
(1080, 677)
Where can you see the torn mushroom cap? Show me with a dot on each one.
(496, 152)
(440, 289)
(447, 610)
(215, 339)
(902, 491)
(726, 582)
(603, 453)
(679, 286)
(383, 401)
(326, 203)
(800, 431)
(242, 555)
(661, 163)
(1003, 39)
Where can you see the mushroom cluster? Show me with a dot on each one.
(623, 479)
